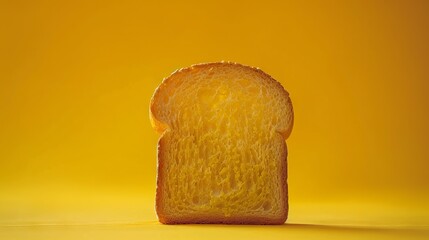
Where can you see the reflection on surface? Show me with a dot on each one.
(155, 230)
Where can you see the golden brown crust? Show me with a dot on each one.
(163, 129)
(159, 182)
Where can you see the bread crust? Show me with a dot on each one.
(161, 127)
(164, 130)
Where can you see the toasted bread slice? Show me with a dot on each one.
(222, 152)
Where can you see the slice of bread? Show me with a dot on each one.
(222, 153)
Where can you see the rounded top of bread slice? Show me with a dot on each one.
(210, 88)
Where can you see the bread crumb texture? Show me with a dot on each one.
(222, 152)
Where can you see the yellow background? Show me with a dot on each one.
(78, 153)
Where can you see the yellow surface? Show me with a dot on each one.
(77, 152)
